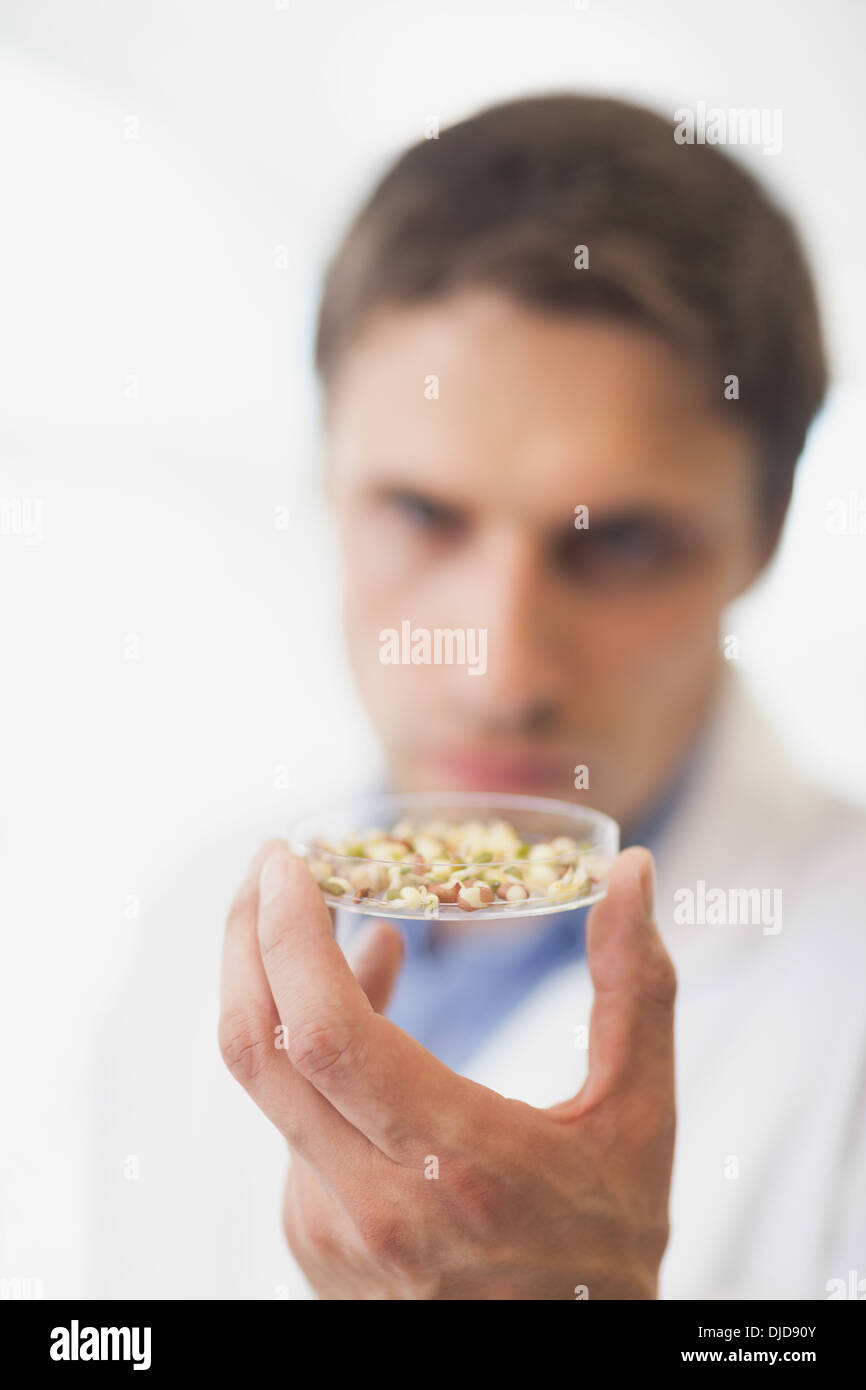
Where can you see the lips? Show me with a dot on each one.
(474, 769)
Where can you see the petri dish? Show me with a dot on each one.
(477, 855)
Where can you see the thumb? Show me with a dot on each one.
(631, 1032)
(375, 956)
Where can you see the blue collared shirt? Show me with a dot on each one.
(453, 991)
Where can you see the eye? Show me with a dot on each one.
(623, 550)
(630, 542)
(424, 513)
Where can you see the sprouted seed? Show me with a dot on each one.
(468, 864)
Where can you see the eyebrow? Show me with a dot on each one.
(602, 517)
(389, 491)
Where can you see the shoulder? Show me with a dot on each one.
(752, 821)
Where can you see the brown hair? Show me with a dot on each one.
(680, 238)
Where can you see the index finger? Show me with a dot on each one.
(381, 1080)
(345, 1159)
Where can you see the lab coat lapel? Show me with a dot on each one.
(740, 823)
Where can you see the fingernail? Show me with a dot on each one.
(273, 878)
(648, 886)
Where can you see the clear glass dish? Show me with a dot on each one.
(362, 864)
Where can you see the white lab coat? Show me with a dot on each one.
(769, 1187)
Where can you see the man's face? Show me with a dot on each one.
(458, 512)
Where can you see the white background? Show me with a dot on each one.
(157, 161)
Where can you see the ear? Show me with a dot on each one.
(751, 571)
(774, 525)
(768, 534)
(769, 523)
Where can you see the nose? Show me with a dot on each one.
(507, 593)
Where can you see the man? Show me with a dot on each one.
(568, 368)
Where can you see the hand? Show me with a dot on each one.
(527, 1203)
